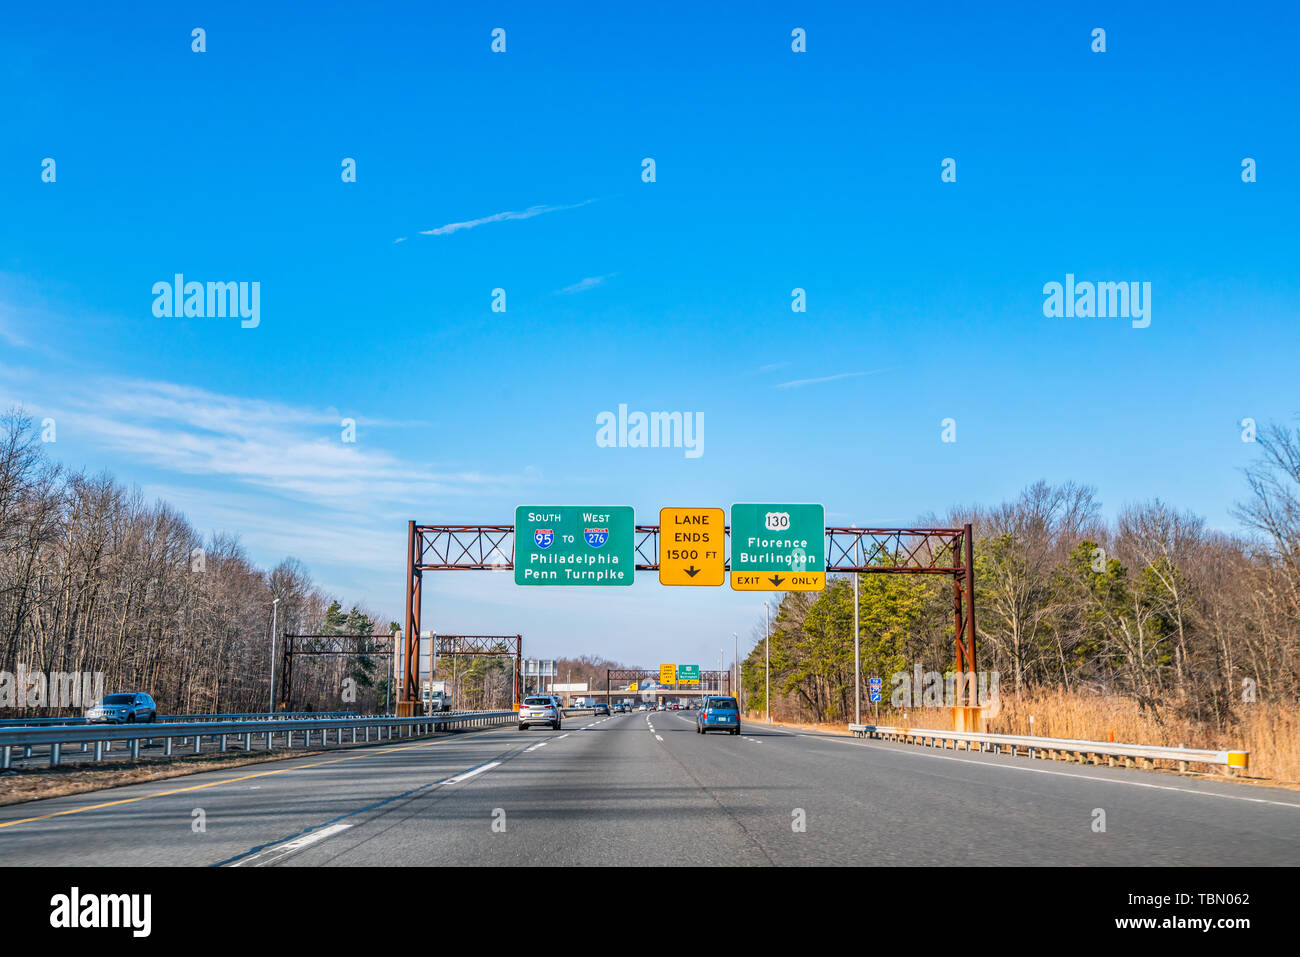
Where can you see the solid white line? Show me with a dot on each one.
(563, 736)
(658, 738)
(1062, 774)
(320, 835)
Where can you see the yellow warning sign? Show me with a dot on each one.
(668, 674)
(778, 581)
(691, 546)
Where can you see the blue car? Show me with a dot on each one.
(718, 714)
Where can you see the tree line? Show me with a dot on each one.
(93, 578)
(1152, 605)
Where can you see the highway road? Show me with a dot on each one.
(644, 788)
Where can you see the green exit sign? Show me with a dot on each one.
(778, 547)
(688, 674)
(575, 545)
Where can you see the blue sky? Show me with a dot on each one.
(775, 170)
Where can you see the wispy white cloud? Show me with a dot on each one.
(528, 213)
(295, 452)
(800, 383)
(8, 334)
(773, 366)
(591, 282)
(26, 318)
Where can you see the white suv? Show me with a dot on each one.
(540, 709)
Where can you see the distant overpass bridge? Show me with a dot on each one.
(710, 683)
(643, 692)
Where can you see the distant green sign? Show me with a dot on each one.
(575, 545)
(688, 674)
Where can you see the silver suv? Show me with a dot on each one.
(540, 709)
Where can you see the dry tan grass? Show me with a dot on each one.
(1269, 731)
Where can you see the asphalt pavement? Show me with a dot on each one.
(644, 788)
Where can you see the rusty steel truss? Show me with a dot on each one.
(872, 551)
(322, 646)
(467, 646)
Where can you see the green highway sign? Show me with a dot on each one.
(778, 547)
(575, 545)
(688, 674)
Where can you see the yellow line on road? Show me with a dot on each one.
(213, 784)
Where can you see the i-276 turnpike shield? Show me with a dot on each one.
(575, 545)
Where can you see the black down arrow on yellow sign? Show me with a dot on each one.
(691, 548)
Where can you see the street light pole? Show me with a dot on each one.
(735, 670)
(767, 661)
(857, 641)
(275, 608)
(392, 673)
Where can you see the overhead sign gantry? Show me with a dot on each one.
(773, 547)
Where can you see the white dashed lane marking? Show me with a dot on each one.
(472, 772)
(280, 851)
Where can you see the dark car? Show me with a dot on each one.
(718, 714)
(600, 708)
(124, 708)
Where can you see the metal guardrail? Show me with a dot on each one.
(178, 718)
(103, 736)
(1058, 749)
